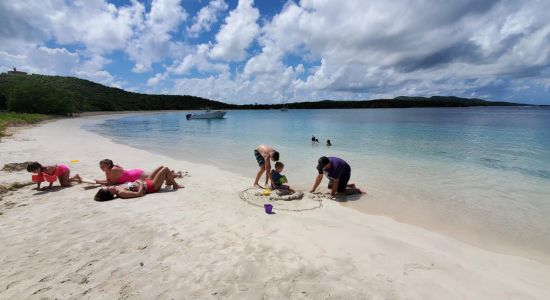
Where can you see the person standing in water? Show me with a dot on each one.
(338, 172)
(264, 154)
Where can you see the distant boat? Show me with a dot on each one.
(284, 107)
(216, 114)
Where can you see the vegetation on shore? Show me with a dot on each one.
(398, 102)
(66, 95)
(11, 119)
(57, 95)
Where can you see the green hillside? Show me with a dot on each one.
(65, 95)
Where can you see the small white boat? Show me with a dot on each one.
(284, 107)
(216, 114)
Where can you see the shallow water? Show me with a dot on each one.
(478, 174)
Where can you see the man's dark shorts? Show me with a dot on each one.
(343, 183)
(259, 158)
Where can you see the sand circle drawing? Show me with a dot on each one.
(298, 202)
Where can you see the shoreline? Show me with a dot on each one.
(367, 206)
(204, 241)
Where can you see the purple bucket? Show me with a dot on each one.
(268, 208)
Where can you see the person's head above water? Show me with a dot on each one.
(322, 163)
(106, 164)
(105, 194)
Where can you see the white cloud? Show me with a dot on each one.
(153, 41)
(321, 49)
(58, 61)
(198, 61)
(41, 60)
(158, 78)
(206, 17)
(97, 25)
(240, 88)
(425, 47)
(238, 32)
(94, 69)
(94, 27)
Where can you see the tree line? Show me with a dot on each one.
(57, 95)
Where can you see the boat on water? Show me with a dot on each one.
(215, 114)
(284, 107)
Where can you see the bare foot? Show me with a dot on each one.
(177, 186)
(78, 178)
(258, 186)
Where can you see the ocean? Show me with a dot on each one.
(481, 175)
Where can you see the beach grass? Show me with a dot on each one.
(13, 119)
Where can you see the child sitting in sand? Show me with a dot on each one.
(51, 174)
(277, 179)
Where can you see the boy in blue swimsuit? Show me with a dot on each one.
(277, 179)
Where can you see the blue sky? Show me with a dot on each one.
(246, 51)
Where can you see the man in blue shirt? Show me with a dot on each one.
(339, 172)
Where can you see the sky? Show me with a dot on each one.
(270, 51)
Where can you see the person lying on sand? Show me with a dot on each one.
(51, 174)
(339, 172)
(139, 188)
(115, 174)
(264, 154)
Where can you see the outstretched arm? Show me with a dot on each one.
(129, 194)
(317, 182)
(102, 182)
(334, 186)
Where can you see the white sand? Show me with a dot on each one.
(204, 242)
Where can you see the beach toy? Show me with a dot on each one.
(283, 179)
(268, 208)
(266, 192)
(50, 178)
(74, 161)
(38, 178)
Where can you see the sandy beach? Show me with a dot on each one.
(203, 241)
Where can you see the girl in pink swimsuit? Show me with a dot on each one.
(130, 175)
(117, 175)
(51, 174)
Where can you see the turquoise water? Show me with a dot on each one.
(479, 174)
